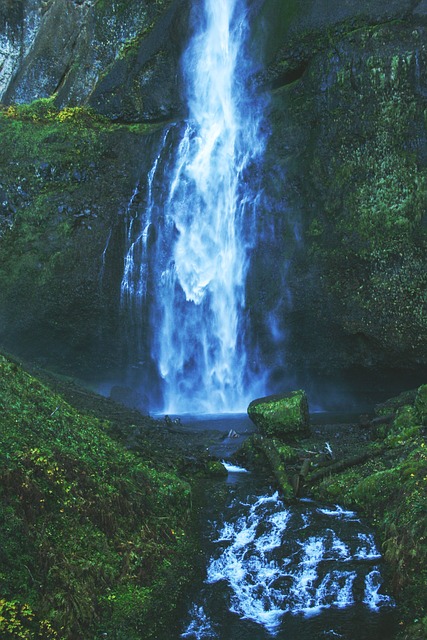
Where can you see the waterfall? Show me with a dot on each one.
(204, 220)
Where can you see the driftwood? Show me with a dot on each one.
(342, 465)
(382, 420)
(299, 478)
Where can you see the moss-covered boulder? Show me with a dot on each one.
(281, 416)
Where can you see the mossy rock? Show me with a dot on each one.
(392, 405)
(281, 416)
(215, 469)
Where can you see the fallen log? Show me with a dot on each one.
(267, 448)
(388, 419)
(343, 465)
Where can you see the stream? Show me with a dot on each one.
(304, 571)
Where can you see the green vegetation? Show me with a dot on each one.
(93, 539)
(351, 147)
(46, 154)
(391, 488)
(371, 240)
(50, 162)
(60, 202)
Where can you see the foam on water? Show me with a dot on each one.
(372, 597)
(367, 549)
(270, 569)
(200, 626)
(233, 468)
(338, 512)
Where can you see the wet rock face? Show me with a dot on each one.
(346, 172)
(19, 23)
(341, 281)
(281, 416)
(61, 233)
(144, 83)
(121, 57)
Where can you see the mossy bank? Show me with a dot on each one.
(378, 467)
(94, 539)
(390, 487)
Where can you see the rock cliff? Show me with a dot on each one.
(342, 287)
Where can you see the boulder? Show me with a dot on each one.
(282, 415)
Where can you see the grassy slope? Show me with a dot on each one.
(92, 538)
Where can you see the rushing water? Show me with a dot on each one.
(299, 572)
(187, 256)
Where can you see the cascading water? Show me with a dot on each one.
(287, 571)
(204, 226)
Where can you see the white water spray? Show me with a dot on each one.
(270, 570)
(199, 344)
(204, 227)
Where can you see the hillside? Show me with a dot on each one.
(93, 538)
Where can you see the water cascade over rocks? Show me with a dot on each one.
(187, 254)
(288, 571)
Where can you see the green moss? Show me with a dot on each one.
(392, 490)
(215, 469)
(93, 537)
(393, 404)
(368, 236)
(281, 415)
(259, 450)
(60, 202)
(388, 200)
(286, 452)
(47, 156)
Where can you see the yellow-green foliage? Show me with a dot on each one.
(286, 452)
(44, 110)
(45, 154)
(90, 536)
(17, 622)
